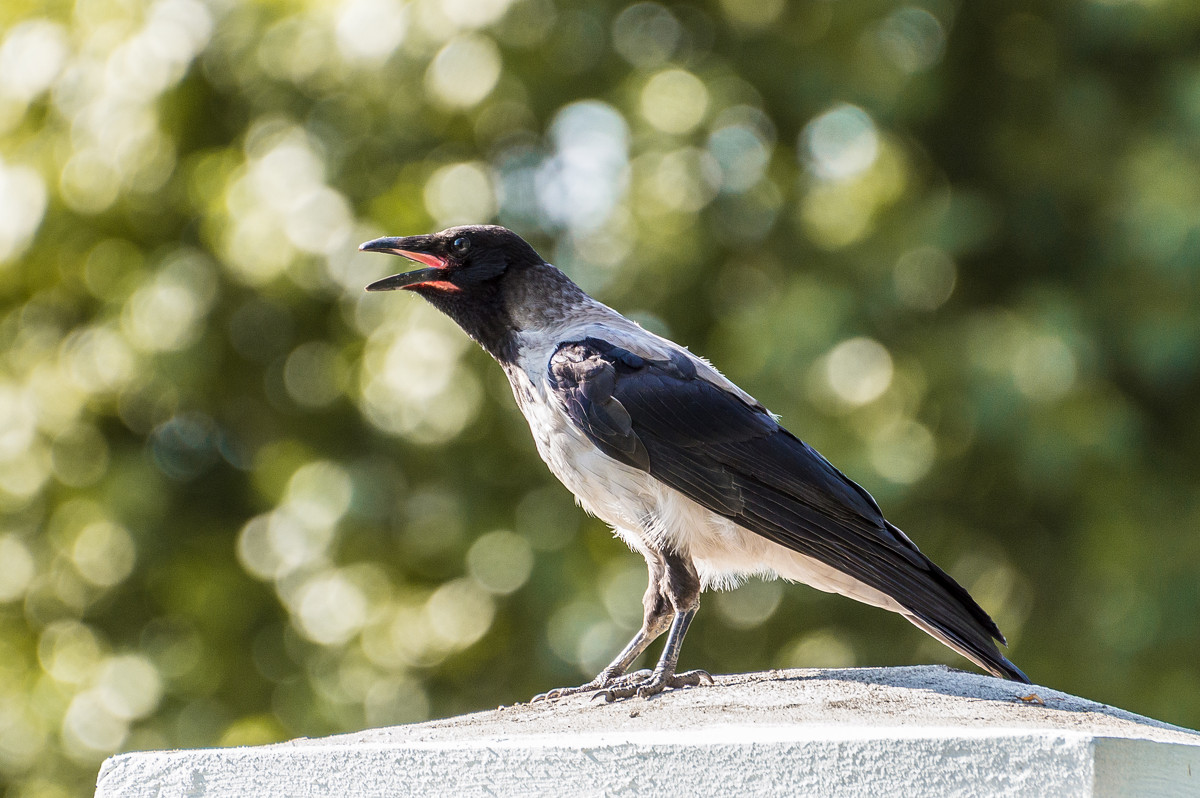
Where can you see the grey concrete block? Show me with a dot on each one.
(911, 732)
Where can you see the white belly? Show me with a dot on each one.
(649, 515)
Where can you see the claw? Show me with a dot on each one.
(655, 684)
(693, 678)
(549, 695)
(643, 684)
(603, 679)
(555, 694)
(629, 681)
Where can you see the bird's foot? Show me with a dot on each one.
(652, 684)
(604, 680)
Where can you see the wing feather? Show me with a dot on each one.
(735, 459)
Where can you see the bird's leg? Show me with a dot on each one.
(656, 619)
(681, 585)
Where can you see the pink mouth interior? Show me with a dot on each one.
(433, 261)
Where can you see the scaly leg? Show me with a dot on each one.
(664, 674)
(656, 619)
(680, 584)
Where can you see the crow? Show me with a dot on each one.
(692, 472)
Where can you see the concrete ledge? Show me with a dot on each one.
(911, 732)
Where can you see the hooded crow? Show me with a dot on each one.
(688, 469)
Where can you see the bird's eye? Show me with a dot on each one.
(461, 244)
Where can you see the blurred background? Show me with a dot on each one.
(955, 245)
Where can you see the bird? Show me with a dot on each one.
(688, 469)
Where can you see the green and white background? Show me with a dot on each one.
(955, 245)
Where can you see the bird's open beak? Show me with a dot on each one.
(397, 246)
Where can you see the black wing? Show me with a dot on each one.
(734, 459)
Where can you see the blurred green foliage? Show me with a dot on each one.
(955, 245)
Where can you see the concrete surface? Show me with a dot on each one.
(911, 732)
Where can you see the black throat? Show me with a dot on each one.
(483, 315)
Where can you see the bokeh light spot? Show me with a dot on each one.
(320, 493)
(622, 593)
(330, 609)
(742, 147)
(16, 568)
(32, 55)
(164, 314)
(646, 34)
(99, 360)
(104, 553)
(318, 220)
(185, 446)
(315, 374)
(500, 561)
(368, 31)
(580, 185)
(840, 143)
(924, 278)
(79, 456)
(912, 38)
(903, 452)
(461, 193)
(128, 686)
(473, 14)
(273, 545)
(18, 421)
(568, 626)
(69, 651)
(412, 381)
(22, 203)
(88, 184)
(90, 729)
(753, 15)
(459, 613)
(1044, 367)
(674, 101)
(464, 71)
(821, 649)
(23, 734)
(393, 701)
(596, 645)
(751, 604)
(685, 180)
(859, 370)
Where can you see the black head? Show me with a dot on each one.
(460, 260)
(464, 275)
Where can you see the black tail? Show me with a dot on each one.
(974, 636)
(989, 658)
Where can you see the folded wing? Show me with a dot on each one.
(733, 458)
